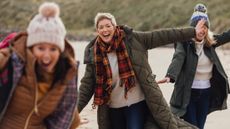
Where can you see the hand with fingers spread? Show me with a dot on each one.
(199, 28)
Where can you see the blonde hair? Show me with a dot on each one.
(101, 16)
(209, 39)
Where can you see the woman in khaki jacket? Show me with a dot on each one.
(120, 78)
(39, 91)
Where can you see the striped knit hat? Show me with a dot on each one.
(200, 12)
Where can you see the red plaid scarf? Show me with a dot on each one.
(4, 44)
(103, 70)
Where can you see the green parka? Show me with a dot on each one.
(138, 44)
(183, 68)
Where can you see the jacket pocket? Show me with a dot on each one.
(151, 78)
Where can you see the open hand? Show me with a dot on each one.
(199, 27)
(84, 121)
(165, 80)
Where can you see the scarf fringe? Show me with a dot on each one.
(128, 83)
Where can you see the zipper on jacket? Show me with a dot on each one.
(35, 108)
(28, 119)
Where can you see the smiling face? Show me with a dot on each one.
(47, 56)
(203, 33)
(105, 30)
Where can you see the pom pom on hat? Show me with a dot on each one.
(200, 8)
(200, 12)
(49, 10)
(47, 27)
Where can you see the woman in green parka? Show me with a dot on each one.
(201, 85)
(120, 78)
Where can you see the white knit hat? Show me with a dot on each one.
(47, 27)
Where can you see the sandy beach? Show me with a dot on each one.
(159, 59)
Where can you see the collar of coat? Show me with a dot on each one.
(192, 45)
(89, 54)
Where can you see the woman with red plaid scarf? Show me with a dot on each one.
(120, 78)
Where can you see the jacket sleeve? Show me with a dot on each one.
(177, 62)
(223, 38)
(165, 36)
(4, 57)
(86, 89)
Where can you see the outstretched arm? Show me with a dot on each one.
(223, 38)
(86, 90)
(162, 37)
(176, 64)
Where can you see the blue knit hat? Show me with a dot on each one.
(200, 12)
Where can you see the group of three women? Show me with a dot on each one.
(38, 76)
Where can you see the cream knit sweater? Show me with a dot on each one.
(204, 66)
(118, 100)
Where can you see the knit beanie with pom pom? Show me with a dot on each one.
(200, 12)
(47, 27)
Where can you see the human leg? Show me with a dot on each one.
(117, 118)
(136, 115)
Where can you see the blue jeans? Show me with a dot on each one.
(132, 117)
(198, 107)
